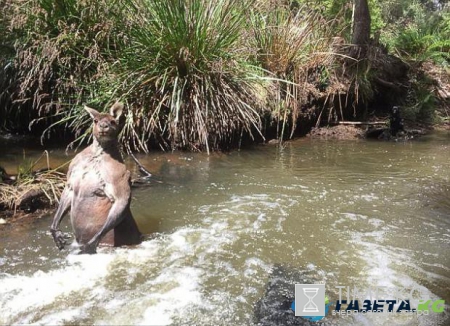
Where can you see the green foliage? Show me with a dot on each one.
(421, 104)
(25, 169)
(341, 12)
(179, 65)
(196, 73)
(61, 49)
(185, 74)
(414, 44)
(417, 33)
(377, 22)
(7, 71)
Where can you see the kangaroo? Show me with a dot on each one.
(98, 191)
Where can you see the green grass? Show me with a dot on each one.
(296, 47)
(194, 74)
(185, 74)
(61, 48)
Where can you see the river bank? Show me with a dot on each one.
(193, 78)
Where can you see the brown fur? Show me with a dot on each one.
(98, 191)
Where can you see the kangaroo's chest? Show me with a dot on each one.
(87, 182)
(91, 178)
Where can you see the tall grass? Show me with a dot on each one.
(194, 74)
(8, 118)
(61, 48)
(185, 74)
(189, 71)
(180, 66)
(296, 46)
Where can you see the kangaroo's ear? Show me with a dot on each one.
(116, 110)
(92, 112)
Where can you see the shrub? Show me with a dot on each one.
(61, 49)
(185, 74)
(419, 33)
(296, 47)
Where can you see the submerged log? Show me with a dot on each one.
(31, 200)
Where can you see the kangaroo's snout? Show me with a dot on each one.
(104, 128)
(104, 125)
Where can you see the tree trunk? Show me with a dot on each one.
(361, 23)
(360, 48)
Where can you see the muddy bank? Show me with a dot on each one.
(21, 219)
(377, 132)
(340, 132)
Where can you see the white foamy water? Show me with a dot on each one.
(112, 287)
(155, 283)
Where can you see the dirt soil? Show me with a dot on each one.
(8, 219)
(443, 126)
(340, 132)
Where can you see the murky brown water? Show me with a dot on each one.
(231, 233)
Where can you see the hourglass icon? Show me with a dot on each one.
(310, 305)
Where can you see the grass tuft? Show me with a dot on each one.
(30, 188)
(185, 75)
(296, 47)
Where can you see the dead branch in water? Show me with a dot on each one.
(142, 169)
(362, 123)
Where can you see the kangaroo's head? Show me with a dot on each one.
(106, 126)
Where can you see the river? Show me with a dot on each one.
(228, 236)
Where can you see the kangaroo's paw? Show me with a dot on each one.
(88, 248)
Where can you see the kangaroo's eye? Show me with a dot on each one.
(95, 121)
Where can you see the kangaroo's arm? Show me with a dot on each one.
(120, 195)
(64, 205)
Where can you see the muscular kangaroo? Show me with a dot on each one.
(98, 191)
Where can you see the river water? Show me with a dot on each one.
(230, 234)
